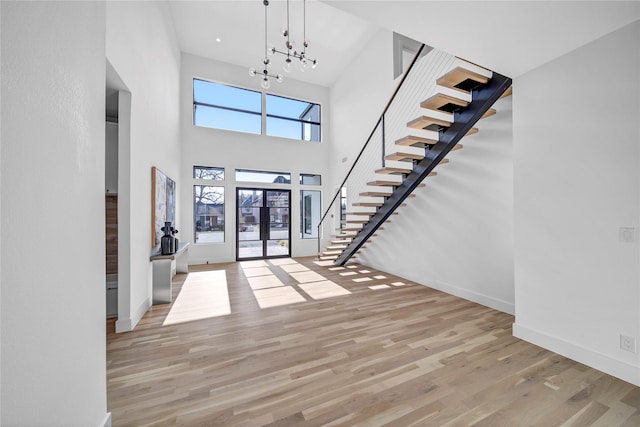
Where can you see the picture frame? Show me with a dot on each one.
(163, 203)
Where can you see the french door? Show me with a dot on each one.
(263, 223)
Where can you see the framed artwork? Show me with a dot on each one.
(163, 203)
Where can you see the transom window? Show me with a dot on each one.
(231, 108)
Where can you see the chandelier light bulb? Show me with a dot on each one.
(279, 78)
(287, 65)
(272, 49)
(306, 43)
(252, 72)
(303, 64)
(314, 63)
(266, 84)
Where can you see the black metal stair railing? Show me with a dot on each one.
(380, 122)
(482, 99)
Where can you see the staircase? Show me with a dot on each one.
(464, 95)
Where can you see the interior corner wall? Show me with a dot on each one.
(456, 235)
(577, 182)
(142, 47)
(237, 150)
(52, 172)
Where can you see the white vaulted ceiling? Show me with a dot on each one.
(336, 36)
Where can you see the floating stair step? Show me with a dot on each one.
(472, 131)
(351, 228)
(369, 204)
(404, 156)
(443, 161)
(507, 92)
(411, 196)
(345, 234)
(490, 112)
(357, 221)
(329, 258)
(336, 247)
(361, 213)
(462, 79)
(429, 123)
(375, 194)
(415, 140)
(331, 253)
(395, 169)
(336, 243)
(443, 102)
(457, 147)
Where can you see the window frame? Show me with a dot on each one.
(264, 114)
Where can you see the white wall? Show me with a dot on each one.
(142, 48)
(577, 181)
(457, 234)
(358, 99)
(236, 150)
(53, 291)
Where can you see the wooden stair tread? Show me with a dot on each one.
(472, 131)
(375, 194)
(507, 92)
(395, 170)
(443, 102)
(413, 140)
(490, 112)
(462, 80)
(402, 156)
(357, 221)
(369, 204)
(457, 147)
(428, 123)
(361, 213)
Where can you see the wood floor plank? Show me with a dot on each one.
(393, 355)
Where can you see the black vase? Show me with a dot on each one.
(167, 242)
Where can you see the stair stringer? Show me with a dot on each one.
(464, 120)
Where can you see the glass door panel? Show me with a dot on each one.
(263, 225)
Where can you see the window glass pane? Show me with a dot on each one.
(286, 107)
(226, 96)
(263, 176)
(207, 172)
(219, 118)
(310, 211)
(208, 214)
(291, 118)
(309, 179)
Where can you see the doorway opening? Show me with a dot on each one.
(263, 226)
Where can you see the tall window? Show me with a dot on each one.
(208, 205)
(226, 107)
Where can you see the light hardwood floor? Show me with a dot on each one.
(359, 354)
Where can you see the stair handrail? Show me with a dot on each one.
(380, 119)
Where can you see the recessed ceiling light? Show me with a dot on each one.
(218, 39)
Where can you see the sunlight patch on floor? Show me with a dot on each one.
(324, 289)
(274, 297)
(203, 295)
(282, 261)
(258, 271)
(263, 282)
(252, 264)
(307, 276)
(293, 268)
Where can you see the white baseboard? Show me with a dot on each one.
(127, 324)
(487, 301)
(107, 420)
(617, 368)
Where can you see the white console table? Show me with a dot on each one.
(164, 268)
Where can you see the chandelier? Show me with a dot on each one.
(266, 63)
(290, 52)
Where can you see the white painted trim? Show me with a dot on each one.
(127, 324)
(107, 420)
(599, 361)
(123, 325)
(496, 304)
